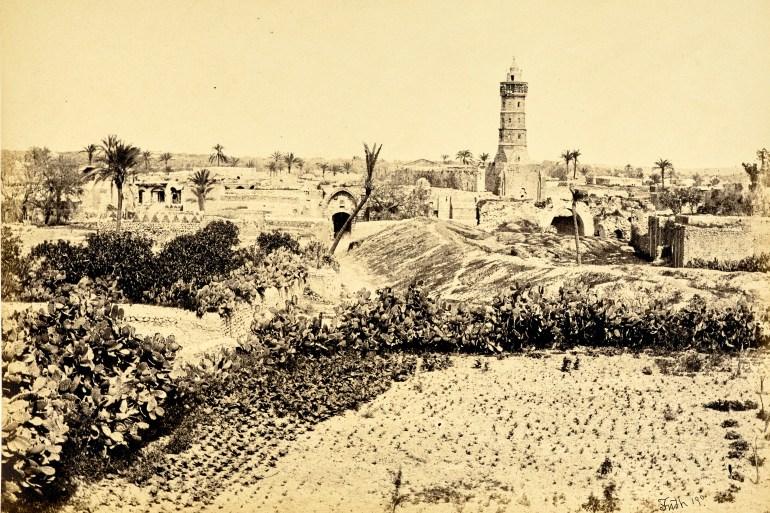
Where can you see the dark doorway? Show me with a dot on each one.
(619, 234)
(339, 221)
(566, 226)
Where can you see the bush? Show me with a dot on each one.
(14, 267)
(272, 241)
(123, 257)
(756, 263)
(523, 319)
(199, 258)
(77, 381)
(279, 269)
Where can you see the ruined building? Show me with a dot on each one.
(512, 175)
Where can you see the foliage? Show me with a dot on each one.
(732, 405)
(218, 155)
(271, 241)
(59, 184)
(123, 257)
(753, 171)
(14, 267)
(279, 269)
(755, 263)
(119, 161)
(198, 258)
(523, 319)
(676, 199)
(726, 202)
(202, 182)
(316, 254)
(76, 380)
(392, 202)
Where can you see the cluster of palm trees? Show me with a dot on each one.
(466, 157)
(279, 161)
(571, 156)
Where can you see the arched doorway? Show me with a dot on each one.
(339, 220)
(565, 225)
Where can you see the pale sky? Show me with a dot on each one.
(624, 81)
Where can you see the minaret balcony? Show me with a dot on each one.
(513, 88)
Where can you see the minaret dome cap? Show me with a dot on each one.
(514, 72)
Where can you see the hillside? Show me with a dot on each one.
(456, 262)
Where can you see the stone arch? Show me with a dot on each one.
(340, 205)
(339, 194)
(338, 220)
(561, 219)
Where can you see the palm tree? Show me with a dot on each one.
(371, 161)
(146, 158)
(219, 155)
(465, 155)
(324, 166)
(165, 157)
(567, 156)
(663, 165)
(272, 166)
(335, 169)
(120, 160)
(444, 158)
(577, 195)
(574, 154)
(300, 163)
(290, 160)
(483, 158)
(234, 161)
(89, 150)
(251, 163)
(347, 166)
(203, 183)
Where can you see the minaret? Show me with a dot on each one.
(512, 139)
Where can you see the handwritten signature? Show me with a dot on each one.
(672, 503)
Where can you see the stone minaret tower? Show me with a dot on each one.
(512, 139)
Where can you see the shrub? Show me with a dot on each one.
(279, 269)
(14, 267)
(76, 381)
(124, 257)
(271, 241)
(732, 405)
(200, 257)
(756, 263)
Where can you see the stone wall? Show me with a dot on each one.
(325, 283)
(722, 238)
(464, 178)
(730, 243)
(239, 323)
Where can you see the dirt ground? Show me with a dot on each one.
(516, 434)
(496, 435)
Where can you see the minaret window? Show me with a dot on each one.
(518, 104)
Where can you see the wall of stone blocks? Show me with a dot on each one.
(239, 323)
(725, 244)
